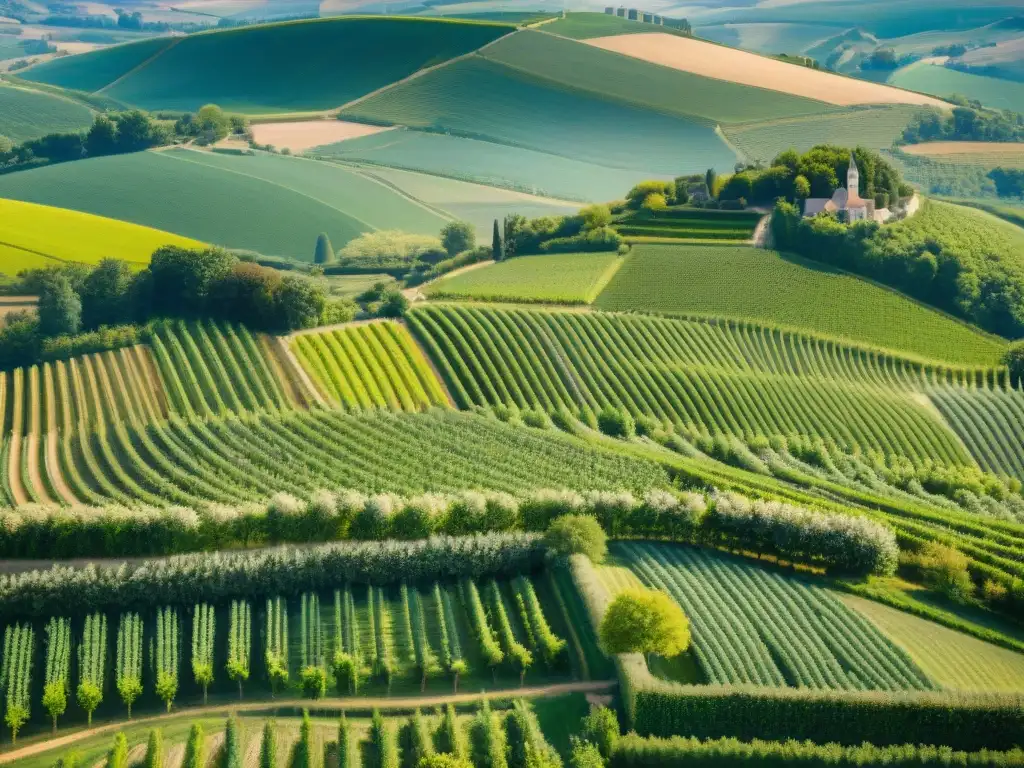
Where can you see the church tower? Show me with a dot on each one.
(853, 179)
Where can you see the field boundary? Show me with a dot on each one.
(346, 703)
(141, 65)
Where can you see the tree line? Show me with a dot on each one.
(968, 121)
(88, 308)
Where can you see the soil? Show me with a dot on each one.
(942, 148)
(721, 63)
(300, 136)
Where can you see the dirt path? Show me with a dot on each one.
(33, 439)
(291, 373)
(347, 702)
(51, 459)
(416, 293)
(762, 233)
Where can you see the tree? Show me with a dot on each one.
(135, 131)
(60, 309)
(55, 700)
(182, 279)
(382, 751)
(801, 187)
(6, 147)
(709, 180)
(106, 294)
(487, 740)
(89, 697)
(601, 728)
(615, 422)
(414, 741)
(300, 304)
(324, 253)
(195, 748)
(102, 137)
(394, 304)
(346, 758)
(585, 755)
(596, 216)
(212, 123)
(945, 570)
(458, 236)
(247, 295)
(497, 251)
(117, 757)
(232, 756)
(155, 749)
(577, 534)
(449, 737)
(268, 749)
(645, 621)
(302, 755)
(1013, 359)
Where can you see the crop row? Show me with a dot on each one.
(375, 365)
(751, 626)
(365, 635)
(689, 373)
(991, 424)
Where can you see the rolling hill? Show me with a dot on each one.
(26, 114)
(291, 66)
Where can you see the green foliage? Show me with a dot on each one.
(92, 653)
(203, 634)
(1013, 359)
(645, 621)
(118, 755)
(268, 747)
(239, 642)
(616, 423)
(195, 748)
(585, 755)
(60, 309)
(489, 647)
(458, 236)
(16, 675)
(347, 756)
(577, 534)
(276, 643)
(526, 747)
(231, 755)
(303, 755)
(449, 738)
(324, 252)
(155, 750)
(515, 652)
(945, 570)
(129, 659)
(601, 728)
(414, 741)
(58, 663)
(168, 629)
(382, 750)
(28, 114)
(486, 740)
(444, 760)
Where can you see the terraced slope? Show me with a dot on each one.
(762, 285)
(991, 424)
(270, 204)
(39, 236)
(307, 65)
(483, 99)
(726, 378)
(751, 626)
(26, 114)
(575, 65)
(372, 365)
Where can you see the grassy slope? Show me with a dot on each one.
(582, 26)
(953, 659)
(28, 114)
(990, 91)
(67, 235)
(487, 163)
(200, 196)
(296, 66)
(97, 69)
(486, 100)
(574, 278)
(761, 285)
(874, 127)
(663, 89)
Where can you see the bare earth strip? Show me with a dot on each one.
(306, 134)
(349, 702)
(721, 63)
(946, 148)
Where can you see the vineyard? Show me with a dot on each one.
(730, 378)
(432, 637)
(759, 285)
(572, 278)
(690, 224)
(990, 422)
(753, 626)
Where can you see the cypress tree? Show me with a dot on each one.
(415, 741)
(232, 745)
(303, 755)
(195, 748)
(448, 738)
(487, 740)
(497, 251)
(118, 755)
(344, 744)
(155, 749)
(268, 750)
(323, 254)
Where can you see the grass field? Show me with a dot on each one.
(540, 173)
(485, 100)
(271, 204)
(952, 659)
(581, 26)
(92, 71)
(26, 114)
(39, 236)
(784, 290)
(321, 63)
(571, 278)
(692, 224)
(986, 154)
(718, 378)
(662, 89)
(754, 626)
(935, 79)
(873, 127)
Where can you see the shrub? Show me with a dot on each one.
(585, 755)
(615, 422)
(577, 535)
(601, 728)
(945, 570)
(458, 236)
(645, 621)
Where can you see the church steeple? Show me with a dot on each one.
(853, 179)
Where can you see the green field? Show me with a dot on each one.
(691, 224)
(784, 290)
(732, 379)
(26, 114)
(292, 66)
(581, 26)
(39, 236)
(571, 278)
(648, 86)
(540, 173)
(485, 100)
(271, 204)
(872, 127)
(991, 424)
(952, 659)
(95, 70)
(941, 81)
(751, 626)
(769, 39)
